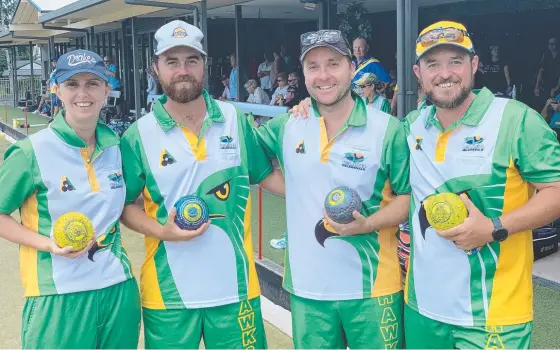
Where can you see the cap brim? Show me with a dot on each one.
(63, 77)
(323, 44)
(159, 52)
(444, 43)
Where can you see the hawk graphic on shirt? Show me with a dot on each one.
(104, 241)
(227, 192)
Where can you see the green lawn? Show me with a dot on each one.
(11, 291)
(16, 113)
(547, 300)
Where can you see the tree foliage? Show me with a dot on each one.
(354, 22)
(7, 10)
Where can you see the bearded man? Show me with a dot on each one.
(195, 283)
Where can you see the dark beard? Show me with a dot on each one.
(335, 102)
(465, 92)
(184, 94)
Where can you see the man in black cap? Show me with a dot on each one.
(343, 278)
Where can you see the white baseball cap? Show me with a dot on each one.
(178, 33)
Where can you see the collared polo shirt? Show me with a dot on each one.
(380, 103)
(50, 174)
(164, 161)
(493, 154)
(371, 65)
(369, 154)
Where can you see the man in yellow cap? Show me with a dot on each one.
(471, 286)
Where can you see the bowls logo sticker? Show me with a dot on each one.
(66, 185)
(165, 159)
(179, 33)
(418, 145)
(300, 149)
(473, 143)
(352, 160)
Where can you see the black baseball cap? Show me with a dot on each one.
(324, 38)
(79, 61)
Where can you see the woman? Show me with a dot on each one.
(281, 92)
(74, 299)
(367, 84)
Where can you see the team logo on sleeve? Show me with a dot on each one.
(353, 160)
(226, 142)
(473, 144)
(165, 159)
(116, 180)
(66, 185)
(300, 149)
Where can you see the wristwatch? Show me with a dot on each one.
(500, 233)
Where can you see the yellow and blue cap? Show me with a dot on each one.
(443, 33)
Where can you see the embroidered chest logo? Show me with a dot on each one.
(226, 142)
(66, 185)
(116, 180)
(473, 144)
(300, 149)
(353, 160)
(418, 145)
(165, 159)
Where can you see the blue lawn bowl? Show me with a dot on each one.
(192, 212)
(341, 203)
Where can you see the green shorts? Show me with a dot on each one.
(233, 326)
(97, 319)
(425, 333)
(374, 323)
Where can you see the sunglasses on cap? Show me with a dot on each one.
(364, 86)
(450, 34)
(327, 36)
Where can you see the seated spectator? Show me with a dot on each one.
(281, 92)
(256, 93)
(226, 94)
(296, 92)
(44, 105)
(370, 87)
(551, 112)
